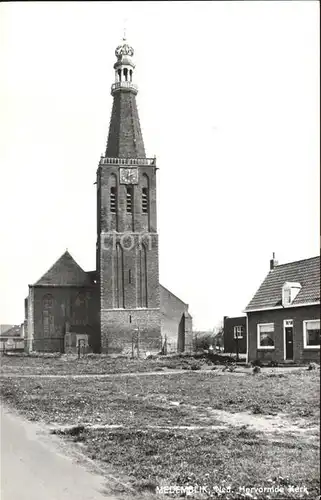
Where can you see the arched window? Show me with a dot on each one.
(129, 199)
(47, 301)
(131, 74)
(79, 309)
(125, 74)
(48, 315)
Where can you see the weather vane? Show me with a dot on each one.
(125, 28)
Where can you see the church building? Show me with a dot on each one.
(121, 304)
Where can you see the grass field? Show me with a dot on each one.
(95, 364)
(187, 428)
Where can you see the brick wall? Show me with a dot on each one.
(298, 315)
(121, 221)
(127, 258)
(69, 307)
(229, 340)
(119, 327)
(30, 321)
(176, 325)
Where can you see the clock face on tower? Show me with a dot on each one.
(128, 175)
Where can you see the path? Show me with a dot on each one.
(33, 468)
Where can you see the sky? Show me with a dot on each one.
(228, 102)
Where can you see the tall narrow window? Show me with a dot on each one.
(145, 200)
(48, 316)
(120, 292)
(113, 203)
(129, 199)
(143, 276)
(79, 310)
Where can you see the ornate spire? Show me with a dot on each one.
(124, 68)
(125, 137)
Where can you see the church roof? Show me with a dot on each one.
(125, 138)
(64, 272)
(306, 272)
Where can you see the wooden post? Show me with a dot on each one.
(132, 346)
(237, 347)
(138, 340)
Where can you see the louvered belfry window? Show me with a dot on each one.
(145, 200)
(113, 203)
(129, 199)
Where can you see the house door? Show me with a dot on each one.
(288, 339)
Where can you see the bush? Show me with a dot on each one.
(256, 410)
(257, 362)
(313, 366)
(203, 341)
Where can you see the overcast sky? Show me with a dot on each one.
(228, 101)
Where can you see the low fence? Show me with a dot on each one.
(15, 345)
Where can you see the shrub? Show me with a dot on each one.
(313, 366)
(257, 362)
(256, 410)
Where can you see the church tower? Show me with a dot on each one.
(127, 239)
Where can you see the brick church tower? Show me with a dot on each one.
(127, 239)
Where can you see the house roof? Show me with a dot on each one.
(12, 331)
(306, 272)
(5, 328)
(64, 272)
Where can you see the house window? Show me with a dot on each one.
(145, 200)
(238, 332)
(265, 336)
(287, 296)
(311, 334)
(129, 199)
(289, 292)
(113, 200)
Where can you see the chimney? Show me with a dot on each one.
(273, 262)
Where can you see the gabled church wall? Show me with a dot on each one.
(173, 310)
(56, 307)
